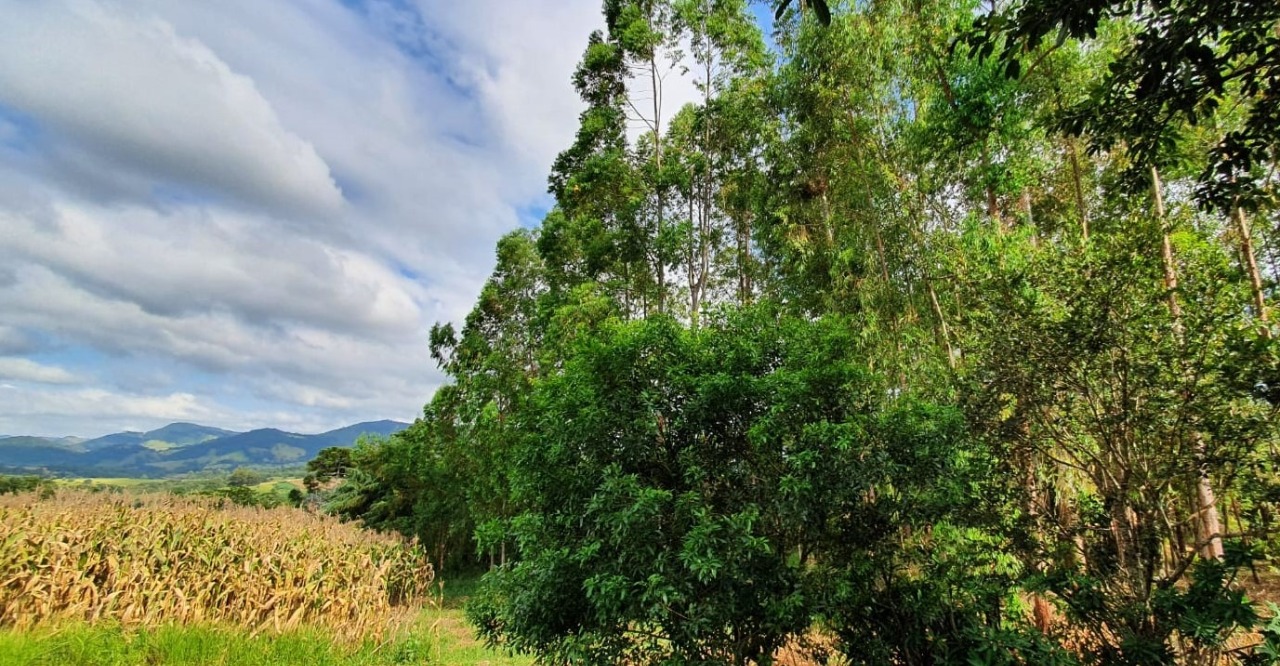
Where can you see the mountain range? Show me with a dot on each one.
(178, 448)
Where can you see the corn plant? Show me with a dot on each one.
(159, 560)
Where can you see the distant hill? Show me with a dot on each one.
(23, 440)
(174, 435)
(342, 436)
(178, 448)
(23, 451)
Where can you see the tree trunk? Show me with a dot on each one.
(943, 332)
(1075, 179)
(993, 205)
(1250, 261)
(704, 220)
(657, 153)
(744, 259)
(690, 254)
(1206, 501)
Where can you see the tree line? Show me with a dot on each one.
(939, 332)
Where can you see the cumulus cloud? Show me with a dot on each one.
(26, 370)
(131, 93)
(248, 214)
(95, 411)
(200, 261)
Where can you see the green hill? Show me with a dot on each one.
(178, 448)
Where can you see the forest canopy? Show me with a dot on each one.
(932, 332)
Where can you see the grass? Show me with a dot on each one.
(453, 640)
(176, 646)
(279, 486)
(440, 635)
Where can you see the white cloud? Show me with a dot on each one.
(213, 341)
(193, 261)
(90, 412)
(26, 370)
(248, 214)
(131, 93)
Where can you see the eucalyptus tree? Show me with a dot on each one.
(866, 346)
(1186, 67)
(1188, 61)
(590, 235)
(726, 46)
(648, 36)
(494, 363)
(1180, 65)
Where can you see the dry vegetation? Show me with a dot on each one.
(160, 560)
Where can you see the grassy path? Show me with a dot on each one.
(453, 639)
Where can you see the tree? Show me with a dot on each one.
(1188, 62)
(243, 476)
(1075, 369)
(330, 463)
(866, 345)
(706, 494)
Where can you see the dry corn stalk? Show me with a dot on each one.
(165, 560)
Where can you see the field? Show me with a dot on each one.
(119, 579)
(112, 482)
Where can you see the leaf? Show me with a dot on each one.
(1013, 69)
(824, 12)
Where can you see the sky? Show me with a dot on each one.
(249, 214)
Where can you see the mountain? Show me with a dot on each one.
(177, 448)
(351, 433)
(60, 442)
(174, 435)
(36, 451)
(23, 440)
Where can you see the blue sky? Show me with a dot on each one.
(248, 214)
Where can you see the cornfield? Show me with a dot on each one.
(160, 560)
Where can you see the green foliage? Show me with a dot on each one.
(246, 496)
(707, 495)
(12, 485)
(1188, 63)
(330, 463)
(863, 350)
(243, 477)
(820, 8)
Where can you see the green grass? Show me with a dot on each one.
(439, 636)
(452, 642)
(107, 646)
(279, 486)
(457, 590)
(116, 482)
